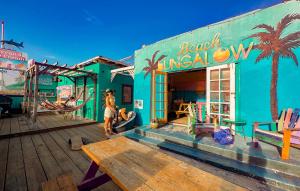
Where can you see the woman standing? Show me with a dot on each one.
(110, 110)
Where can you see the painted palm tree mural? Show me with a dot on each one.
(272, 44)
(152, 64)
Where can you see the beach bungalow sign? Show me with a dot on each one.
(206, 53)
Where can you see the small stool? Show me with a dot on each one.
(240, 123)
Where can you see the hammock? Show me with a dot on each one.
(76, 99)
(65, 108)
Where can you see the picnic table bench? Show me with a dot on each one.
(183, 109)
(133, 166)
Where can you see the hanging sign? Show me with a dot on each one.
(12, 67)
(12, 55)
(138, 104)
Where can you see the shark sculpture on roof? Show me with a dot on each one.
(12, 42)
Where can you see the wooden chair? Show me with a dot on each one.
(196, 124)
(281, 133)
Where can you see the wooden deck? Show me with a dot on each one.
(20, 125)
(26, 161)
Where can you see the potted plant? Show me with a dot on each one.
(154, 123)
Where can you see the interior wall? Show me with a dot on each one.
(189, 86)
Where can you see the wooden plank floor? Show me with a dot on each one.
(20, 125)
(26, 161)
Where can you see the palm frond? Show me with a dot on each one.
(291, 37)
(286, 21)
(159, 59)
(266, 27)
(288, 53)
(147, 68)
(146, 74)
(262, 36)
(291, 45)
(263, 54)
(153, 57)
(262, 47)
(149, 62)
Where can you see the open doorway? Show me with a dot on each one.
(185, 88)
(211, 90)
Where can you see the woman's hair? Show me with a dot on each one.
(104, 96)
(109, 91)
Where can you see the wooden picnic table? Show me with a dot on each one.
(133, 166)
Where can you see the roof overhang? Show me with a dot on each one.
(128, 71)
(43, 68)
(99, 59)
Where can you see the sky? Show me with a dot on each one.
(73, 31)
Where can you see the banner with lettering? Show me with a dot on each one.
(12, 67)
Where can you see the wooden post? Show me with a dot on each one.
(95, 96)
(29, 94)
(24, 105)
(75, 93)
(165, 89)
(154, 94)
(75, 87)
(84, 95)
(36, 88)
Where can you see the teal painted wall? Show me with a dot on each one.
(16, 102)
(116, 85)
(252, 79)
(103, 82)
(88, 110)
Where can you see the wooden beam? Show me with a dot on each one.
(75, 93)
(31, 67)
(62, 72)
(25, 93)
(57, 69)
(95, 97)
(70, 78)
(36, 88)
(69, 73)
(30, 93)
(64, 68)
(84, 95)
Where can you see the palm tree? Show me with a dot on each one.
(152, 64)
(272, 44)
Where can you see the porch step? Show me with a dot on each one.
(292, 169)
(271, 177)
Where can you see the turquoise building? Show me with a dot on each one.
(244, 69)
(102, 67)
